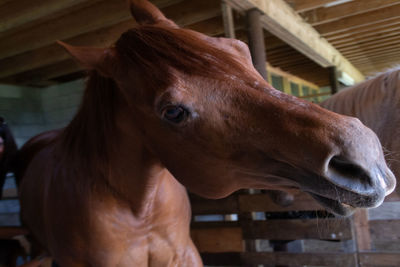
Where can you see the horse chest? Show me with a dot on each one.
(158, 240)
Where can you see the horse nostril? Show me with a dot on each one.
(348, 169)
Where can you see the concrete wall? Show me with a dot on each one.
(30, 111)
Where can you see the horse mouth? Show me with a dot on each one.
(334, 206)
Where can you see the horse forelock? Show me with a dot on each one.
(152, 50)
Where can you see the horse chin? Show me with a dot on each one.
(334, 206)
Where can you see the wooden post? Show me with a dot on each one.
(333, 80)
(256, 41)
(227, 16)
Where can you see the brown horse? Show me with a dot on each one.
(166, 108)
(376, 102)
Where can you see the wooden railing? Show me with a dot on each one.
(221, 243)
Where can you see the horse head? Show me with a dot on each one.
(204, 111)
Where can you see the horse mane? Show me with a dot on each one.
(84, 140)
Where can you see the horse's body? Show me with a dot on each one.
(167, 108)
(8, 151)
(376, 102)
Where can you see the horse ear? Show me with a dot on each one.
(91, 58)
(145, 12)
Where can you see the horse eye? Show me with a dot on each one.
(175, 114)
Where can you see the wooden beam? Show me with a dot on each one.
(262, 202)
(54, 53)
(94, 17)
(44, 73)
(280, 258)
(364, 37)
(256, 41)
(304, 5)
(227, 17)
(293, 229)
(228, 239)
(385, 230)
(300, 259)
(376, 27)
(364, 19)
(362, 233)
(355, 7)
(298, 229)
(281, 20)
(383, 41)
(16, 13)
(377, 53)
(333, 79)
(103, 37)
(370, 259)
(99, 15)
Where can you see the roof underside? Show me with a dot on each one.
(366, 32)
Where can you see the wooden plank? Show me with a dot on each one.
(250, 203)
(385, 230)
(94, 17)
(367, 36)
(299, 259)
(361, 227)
(16, 13)
(304, 5)
(378, 42)
(262, 202)
(281, 20)
(100, 15)
(255, 36)
(44, 73)
(279, 258)
(53, 53)
(227, 17)
(355, 7)
(327, 229)
(376, 27)
(218, 240)
(368, 18)
(380, 259)
(384, 56)
(214, 206)
(333, 80)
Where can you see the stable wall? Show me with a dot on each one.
(30, 111)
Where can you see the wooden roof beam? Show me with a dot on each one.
(53, 53)
(281, 20)
(100, 14)
(364, 19)
(16, 13)
(304, 5)
(355, 7)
